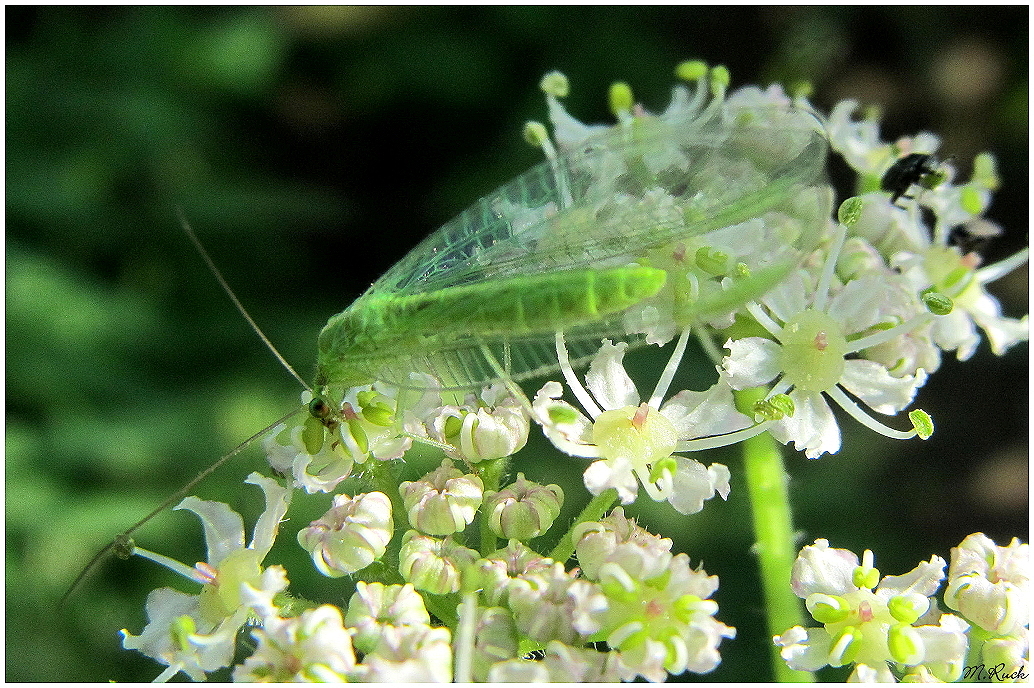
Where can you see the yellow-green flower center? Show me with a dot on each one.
(222, 597)
(640, 434)
(813, 349)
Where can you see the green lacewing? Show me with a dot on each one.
(564, 246)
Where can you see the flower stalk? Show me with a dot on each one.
(773, 529)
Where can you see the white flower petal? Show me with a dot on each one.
(702, 414)
(616, 473)
(278, 498)
(804, 649)
(857, 305)
(606, 378)
(863, 673)
(224, 527)
(752, 361)
(695, 483)
(924, 579)
(789, 297)
(573, 437)
(812, 428)
(1001, 332)
(825, 570)
(956, 331)
(870, 382)
(945, 646)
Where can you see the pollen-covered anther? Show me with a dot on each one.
(639, 419)
(205, 573)
(621, 99)
(555, 84)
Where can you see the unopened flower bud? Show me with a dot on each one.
(495, 640)
(497, 571)
(375, 606)
(351, 535)
(990, 584)
(433, 565)
(524, 509)
(484, 429)
(618, 540)
(443, 501)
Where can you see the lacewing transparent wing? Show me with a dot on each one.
(564, 246)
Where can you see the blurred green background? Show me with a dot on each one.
(311, 148)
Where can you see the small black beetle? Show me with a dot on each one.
(914, 168)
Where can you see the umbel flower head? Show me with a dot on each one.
(813, 351)
(932, 256)
(869, 622)
(718, 205)
(657, 611)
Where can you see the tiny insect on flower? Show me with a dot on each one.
(906, 172)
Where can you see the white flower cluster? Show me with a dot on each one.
(892, 628)
(809, 308)
(648, 605)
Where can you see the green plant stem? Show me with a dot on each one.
(491, 474)
(773, 529)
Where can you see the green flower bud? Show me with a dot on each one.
(828, 609)
(937, 303)
(313, 434)
(562, 415)
(922, 423)
(846, 647)
(535, 133)
(524, 509)
(905, 644)
(443, 501)
(182, 628)
(358, 433)
(776, 408)
(865, 577)
(970, 200)
(433, 565)
(350, 536)
(691, 70)
(985, 171)
(908, 608)
(720, 79)
(621, 98)
(555, 84)
(376, 408)
(712, 261)
(850, 211)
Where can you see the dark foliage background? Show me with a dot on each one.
(311, 148)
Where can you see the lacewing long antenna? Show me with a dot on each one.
(122, 545)
(233, 297)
